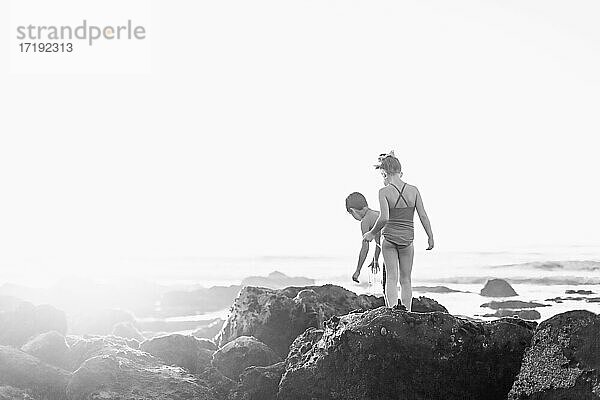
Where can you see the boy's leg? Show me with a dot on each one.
(406, 256)
(390, 258)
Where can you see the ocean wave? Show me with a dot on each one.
(575, 265)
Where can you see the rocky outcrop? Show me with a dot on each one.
(563, 361)
(132, 374)
(243, 352)
(50, 347)
(23, 371)
(259, 383)
(185, 351)
(390, 354)
(277, 317)
(498, 288)
(21, 320)
(127, 330)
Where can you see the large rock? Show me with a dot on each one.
(563, 361)
(125, 373)
(21, 370)
(50, 347)
(185, 351)
(259, 383)
(84, 348)
(277, 317)
(498, 288)
(243, 352)
(390, 354)
(21, 320)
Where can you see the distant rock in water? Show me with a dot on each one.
(563, 361)
(277, 317)
(21, 320)
(185, 351)
(498, 288)
(435, 289)
(530, 315)
(277, 280)
(578, 292)
(389, 354)
(513, 304)
(243, 352)
(50, 347)
(198, 301)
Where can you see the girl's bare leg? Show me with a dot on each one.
(405, 257)
(390, 258)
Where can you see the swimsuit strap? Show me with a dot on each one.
(401, 196)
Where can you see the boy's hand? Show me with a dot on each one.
(368, 237)
(374, 267)
(430, 242)
(355, 276)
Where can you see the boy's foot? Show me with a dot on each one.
(399, 307)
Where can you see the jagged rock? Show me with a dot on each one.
(563, 361)
(50, 347)
(277, 317)
(513, 304)
(128, 331)
(185, 351)
(21, 370)
(424, 304)
(125, 373)
(11, 393)
(21, 320)
(523, 314)
(390, 354)
(259, 383)
(498, 288)
(98, 322)
(209, 331)
(84, 348)
(243, 352)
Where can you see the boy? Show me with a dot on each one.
(357, 206)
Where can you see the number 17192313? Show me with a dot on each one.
(46, 47)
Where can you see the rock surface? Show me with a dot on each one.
(185, 351)
(277, 317)
(132, 374)
(243, 352)
(390, 354)
(11, 393)
(563, 361)
(497, 288)
(83, 348)
(259, 383)
(50, 347)
(21, 370)
(21, 320)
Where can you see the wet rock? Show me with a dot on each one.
(277, 317)
(563, 361)
(127, 330)
(571, 291)
(185, 351)
(132, 374)
(21, 320)
(424, 304)
(21, 370)
(218, 383)
(422, 356)
(497, 288)
(513, 304)
(259, 383)
(243, 352)
(50, 347)
(11, 393)
(531, 315)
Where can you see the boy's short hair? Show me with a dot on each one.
(356, 200)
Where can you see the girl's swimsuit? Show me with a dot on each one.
(400, 229)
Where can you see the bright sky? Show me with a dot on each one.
(258, 118)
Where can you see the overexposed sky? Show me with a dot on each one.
(256, 119)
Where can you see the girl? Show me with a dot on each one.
(398, 202)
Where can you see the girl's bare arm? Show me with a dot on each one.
(424, 218)
(384, 213)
